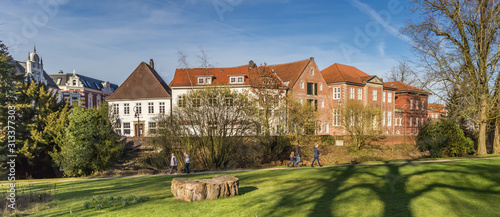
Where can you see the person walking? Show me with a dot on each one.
(298, 154)
(292, 159)
(173, 164)
(316, 156)
(186, 166)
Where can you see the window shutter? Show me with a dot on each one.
(315, 88)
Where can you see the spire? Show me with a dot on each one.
(41, 60)
(34, 48)
(74, 72)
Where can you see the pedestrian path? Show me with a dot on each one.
(264, 169)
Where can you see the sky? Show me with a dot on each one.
(107, 39)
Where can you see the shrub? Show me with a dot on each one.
(444, 138)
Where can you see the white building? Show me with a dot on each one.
(139, 101)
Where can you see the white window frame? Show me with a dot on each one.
(336, 93)
(238, 80)
(91, 101)
(116, 108)
(351, 92)
(312, 71)
(151, 107)
(327, 128)
(232, 80)
(126, 126)
(201, 81)
(374, 95)
(411, 103)
(301, 85)
(320, 86)
(322, 103)
(300, 101)
(139, 108)
(389, 118)
(126, 108)
(336, 118)
(416, 105)
(162, 107)
(411, 122)
(383, 96)
(389, 97)
(360, 93)
(383, 118)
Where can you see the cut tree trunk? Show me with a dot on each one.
(204, 189)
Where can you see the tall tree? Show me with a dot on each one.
(458, 45)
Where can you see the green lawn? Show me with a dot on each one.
(460, 188)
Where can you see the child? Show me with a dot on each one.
(292, 158)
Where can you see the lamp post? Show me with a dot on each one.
(137, 114)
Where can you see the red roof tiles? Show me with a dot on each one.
(402, 87)
(344, 73)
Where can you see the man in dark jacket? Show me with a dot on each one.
(316, 156)
(298, 154)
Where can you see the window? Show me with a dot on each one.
(240, 80)
(322, 103)
(411, 121)
(152, 127)
(416, 122)
(208, 80)
(423, 105)
(312, 71)
(116, 108)
(336, 117)
(400, 121)
(336, 93)
(301, 85)
(182, 101)
(91, 105)
(229, 101)
(383, 118)
(320, 127)
(360, 93)
(416, 106)
(389, 118)
(59, 81)
(75, 101)
(389, 97)
(320, 86)
(383, 96)
(162, 107)
(232, 80)
(126, 109)
(327, 127)
(374, 95)
(151, 108)
(312, 89)
(411, 103)
(314, 103)
(300, 101)
(138, 108)
(74, 82)
(201, 81)
(196, 102)
(126, 128)
(236, 80)
(98, 98)
(351, 93)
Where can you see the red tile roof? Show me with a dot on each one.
(437, 107)
(402, 87)
(143, 83)
(287, 72)
(344, 73)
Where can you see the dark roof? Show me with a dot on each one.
(88, 82)
(21, 66)
(402, 87)
(143, 83)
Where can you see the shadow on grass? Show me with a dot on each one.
(244, 190)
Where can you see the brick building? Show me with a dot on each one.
(81, 90)
(436, 111)
(411, 107)
(349, 83)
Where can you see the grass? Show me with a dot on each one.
(459, 188)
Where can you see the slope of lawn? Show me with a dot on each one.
(459, 188)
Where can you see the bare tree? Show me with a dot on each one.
(362, 122)
(210, 122)
(402, 72)
(457, 43)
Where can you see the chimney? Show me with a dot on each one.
(152, 63)
(251, 64)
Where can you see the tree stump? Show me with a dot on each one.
(205, 189)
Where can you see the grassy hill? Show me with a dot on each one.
(459, 188)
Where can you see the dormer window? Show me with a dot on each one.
(205, 80)
(74, 82)
(236, 80)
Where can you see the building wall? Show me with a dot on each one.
(414, 113)
(323, 96)
(144, 118)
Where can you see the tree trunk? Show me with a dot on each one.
(204, 189)
(481, 146)
(496, 137)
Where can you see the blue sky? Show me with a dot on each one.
(108, 39)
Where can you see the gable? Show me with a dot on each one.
(375, 80)
(143, 83)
